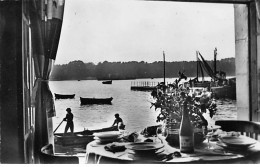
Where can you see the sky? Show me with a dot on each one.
(135, 30)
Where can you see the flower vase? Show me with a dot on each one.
(171, 132)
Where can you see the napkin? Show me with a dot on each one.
(114, 147)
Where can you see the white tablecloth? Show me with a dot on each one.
(96, 153)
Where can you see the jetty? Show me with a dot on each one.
(144, 85)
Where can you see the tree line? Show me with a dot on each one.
(78, 70)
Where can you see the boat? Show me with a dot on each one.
(107, 82)
(227, 90)
(79, 138)
(202, 66)
(96, 100)
(219, 85)
(64, 96)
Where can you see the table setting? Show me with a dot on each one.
(137, 148)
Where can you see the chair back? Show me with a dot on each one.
(247, 128)
(47, 157)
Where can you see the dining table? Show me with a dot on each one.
(206, 152)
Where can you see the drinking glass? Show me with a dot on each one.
(159, 132)
(208, 136)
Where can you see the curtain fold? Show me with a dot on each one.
(46, 21)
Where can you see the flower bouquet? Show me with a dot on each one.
(171, 107)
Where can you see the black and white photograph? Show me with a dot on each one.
(129, 82)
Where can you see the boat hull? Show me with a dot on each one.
(79, 138)
(63, 96)
(224, 92)
(107, 82)
(95, 100)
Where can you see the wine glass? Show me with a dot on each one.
(159, 132)
(209, 136)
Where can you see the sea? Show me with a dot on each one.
(134, 107)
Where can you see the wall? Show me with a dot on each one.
(11, 101)
(242, 60)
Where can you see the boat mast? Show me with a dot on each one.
(163, 68)
(215, 63)
(197, 65)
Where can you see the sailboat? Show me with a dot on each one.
(222, 87)
(219, 85)
(202, 66)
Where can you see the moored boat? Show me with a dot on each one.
(225, 91)
(220, 86)
(107, 82)
(79, 138)
(64, 96)
(96, 100)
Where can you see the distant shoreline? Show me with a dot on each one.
(206, 78)
(78, 70)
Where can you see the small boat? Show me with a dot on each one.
(64, 96)
(107, 82)
(96, 100)
(79, 138)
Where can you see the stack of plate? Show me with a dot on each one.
(144, 150)
(107, 137)
(236, 142)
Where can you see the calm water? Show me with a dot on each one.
(133, 106)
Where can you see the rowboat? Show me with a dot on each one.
(107, 82)
(96, 100)
(64, 96)
(79, 138)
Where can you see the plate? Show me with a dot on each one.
(109, 134)
(147, 153)
(144, 146)
(105, 140)
(236, 148)
(237, 141)
(109, 138)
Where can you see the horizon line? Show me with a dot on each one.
(136, 61)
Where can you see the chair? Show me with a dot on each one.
(47, 157)
(248, 128)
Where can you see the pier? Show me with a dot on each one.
(144, 85)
